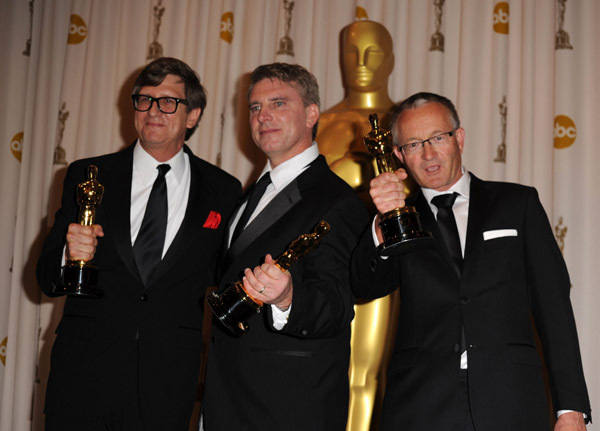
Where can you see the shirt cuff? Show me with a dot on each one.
(374, 233)
(280, 318)
(560, 412)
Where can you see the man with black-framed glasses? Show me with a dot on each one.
(130, 360)
(466, 357)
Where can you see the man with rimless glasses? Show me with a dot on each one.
(465, 357)
(130, 359)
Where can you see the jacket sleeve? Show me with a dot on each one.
(323, 303)
(549, 284)
(371, 276)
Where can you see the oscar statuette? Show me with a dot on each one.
(80, 277)
(234, 305)
(400, 227)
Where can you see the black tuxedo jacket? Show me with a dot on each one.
(513, 270)
(153, 331)
(296, 378)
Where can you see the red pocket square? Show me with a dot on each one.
(213, 220)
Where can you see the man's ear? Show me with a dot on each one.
(312, 115)
(460, 138)
(398, 153)
(193, 116)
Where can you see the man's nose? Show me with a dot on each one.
(264, 115)
(428, 150)
(154, 111)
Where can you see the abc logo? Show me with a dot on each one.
(565, 131)
(3, 351)
(16, 145)
(501, 17)
(227, 27)
(77, 30)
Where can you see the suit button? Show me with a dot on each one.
(144, 297)
(456, 348)
(304, 332)
(464, 300)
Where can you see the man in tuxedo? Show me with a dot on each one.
(290, 370)
(465, 356)
(130, 359)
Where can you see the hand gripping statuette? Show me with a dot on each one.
(400, 227)
(234, 305)
(80, 277)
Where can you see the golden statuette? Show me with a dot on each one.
(400, 227)
(80, 277)
(234, 305)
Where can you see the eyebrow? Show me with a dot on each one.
(435, 133)
(273, 99)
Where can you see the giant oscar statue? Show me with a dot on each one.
(367, 59)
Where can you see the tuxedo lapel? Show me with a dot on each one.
(280, 205)
(117, 203)
(478, 203)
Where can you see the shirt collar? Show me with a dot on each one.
(145, 165)
(284, 173)
(462, 187)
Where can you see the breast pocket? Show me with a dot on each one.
(505, 242)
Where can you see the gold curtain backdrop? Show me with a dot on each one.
(523, 74)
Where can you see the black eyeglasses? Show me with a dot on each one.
(435, 141)
(166, 105)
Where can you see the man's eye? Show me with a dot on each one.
(254, 108)
(438, 138)
(168, 101)
(413, 145)
(144, 99)
(279, 103)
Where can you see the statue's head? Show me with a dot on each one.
(367, 56)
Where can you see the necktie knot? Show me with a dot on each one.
(163, 169)
(444, 201)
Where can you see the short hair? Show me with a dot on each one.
(417, 100)
(156, 71)
(294, 75)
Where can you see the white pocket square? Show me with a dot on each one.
(499, 233)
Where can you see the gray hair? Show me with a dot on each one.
(417, 100)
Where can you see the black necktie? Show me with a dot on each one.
(254, 197)
(150, 241)
(447, 225)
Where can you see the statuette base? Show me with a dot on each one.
(402, 232)
(79, 278)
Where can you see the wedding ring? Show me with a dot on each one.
(261, 290)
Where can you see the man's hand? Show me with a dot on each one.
(387, 192)
(82, 241)
(571, 421)
(269, 284)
